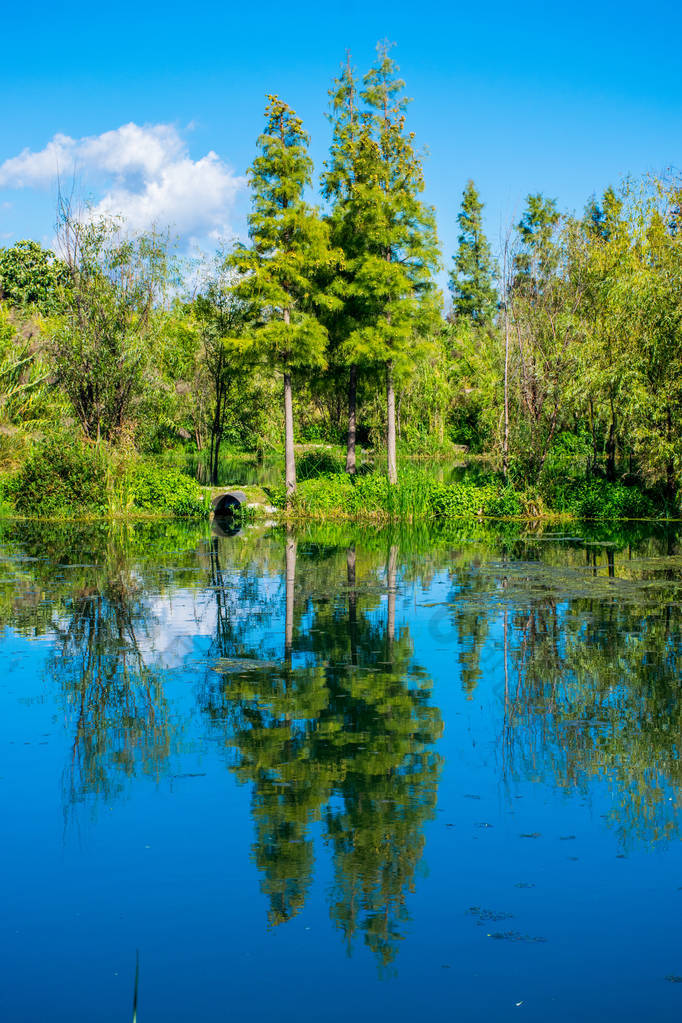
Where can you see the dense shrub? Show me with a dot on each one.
(14, 445)
(321, 494)
(419, 497)
(505, 504)
(152, 488)
(61, 476)
(416, 496)
(323, 462)
(601, 499)
(468, 500)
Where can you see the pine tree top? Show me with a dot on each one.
(374, 180)
(536, 229)
(472, 277)
(290, 252)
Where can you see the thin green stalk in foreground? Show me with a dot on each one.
(137, 984)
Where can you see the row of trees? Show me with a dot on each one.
(565, 351)
(581, 357)
(353, 290)
(344, 294)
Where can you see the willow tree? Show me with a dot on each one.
(545, 296)
(387, 233)
(104, 341)
(644, 299)
(279, 273)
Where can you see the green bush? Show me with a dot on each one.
(61, 476)
(458, 500)
(469, 500)
(150, 487)
(505, 504)
(321, 494)
(416, 496)
(601, 499)
(312, 464)
(67, 477)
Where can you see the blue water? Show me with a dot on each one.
(335, 775)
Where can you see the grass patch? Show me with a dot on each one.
(417, 497)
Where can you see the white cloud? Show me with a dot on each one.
(37, 169)
(141, 173)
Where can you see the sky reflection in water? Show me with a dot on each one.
(334, 773)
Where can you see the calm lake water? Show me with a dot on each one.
(332, 775)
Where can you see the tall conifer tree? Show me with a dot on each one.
(471, 279)
(392, 250)
(602, 217)
(338, 183)
(280, 272)
(537, 259)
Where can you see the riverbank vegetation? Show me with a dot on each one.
(552, 370)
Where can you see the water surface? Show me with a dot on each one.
(332, 774)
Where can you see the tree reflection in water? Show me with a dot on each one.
(592, 690)
(115, 702)
(338, 731)
(313, 686)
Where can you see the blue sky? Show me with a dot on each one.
(557, 98)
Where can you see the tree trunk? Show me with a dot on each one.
(216, 433)
(290, 581)
(390, 425)
(594, 437)
(352, 406)
(352, 604)
(611, 447)
(392, 578)
(215, 453)
(670, 475)
(505, 442)
(289, 460)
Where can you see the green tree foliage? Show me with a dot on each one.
(476, 368)
(601, 218)
(537, 258)
(338, 184)
(279, 273)
(102, 342)
(176, 408)
(24, 373)
(31, 277)
(472, 278)
(635, 325)
(387, 232)
(544, 297)
(575, 379)
(601, 378)
(223, 316)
